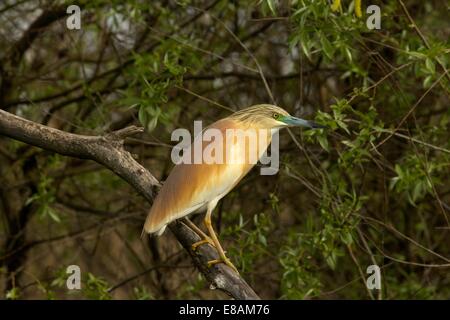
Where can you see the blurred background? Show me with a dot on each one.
(371, 190)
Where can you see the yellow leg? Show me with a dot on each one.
(223, 257)
(205, 238)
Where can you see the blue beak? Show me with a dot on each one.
(297, 122)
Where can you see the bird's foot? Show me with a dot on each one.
(207, 240)
(223, 260)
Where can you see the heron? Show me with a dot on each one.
(198, 187)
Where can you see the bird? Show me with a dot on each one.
(198, 187)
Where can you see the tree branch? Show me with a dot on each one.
(108, 150)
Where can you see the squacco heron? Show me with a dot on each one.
(198, 187)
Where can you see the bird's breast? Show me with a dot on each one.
(242, 152)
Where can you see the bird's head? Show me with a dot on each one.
(271, 117)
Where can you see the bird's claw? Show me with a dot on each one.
(209, 241)
(225, 261)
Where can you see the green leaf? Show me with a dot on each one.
(143, 116)
(417, 54)
(52, 214)
(323, 141)
(348, 54)
(430, 66)
(305, 44)
(326, 46)
(152, 124)
(348, 143)
(399, 171)
(271, 5)
(13, 294)
(427, 81)
(331, 260)
(347, 238)
(343, 125)
(417, 192)
(262, 239)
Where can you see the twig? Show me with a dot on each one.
(422, 37)
(411, 110)
(241, 43)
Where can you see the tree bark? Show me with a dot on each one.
(108, 150)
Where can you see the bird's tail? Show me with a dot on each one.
(143, 233)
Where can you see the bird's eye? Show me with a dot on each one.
(276, 116)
